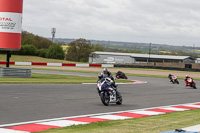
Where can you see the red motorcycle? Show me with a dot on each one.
(191, 83)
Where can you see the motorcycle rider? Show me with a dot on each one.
(100, 76)
(186, 80)
(106, 73)
(105, 83)
(120, 74)
(108, 80)
(170, 77)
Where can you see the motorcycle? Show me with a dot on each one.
(120, 75)
(108, 93)
(191, 83)
(174, 80)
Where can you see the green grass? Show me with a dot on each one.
(153, 124)
(82, 71)
(25, 58)
(128, 74)
(52, 78)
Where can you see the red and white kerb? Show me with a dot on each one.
(10, 24)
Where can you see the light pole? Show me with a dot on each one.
(193, 48)
(53, 32)
(149, 51)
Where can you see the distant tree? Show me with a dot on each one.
(97, 47)
(28, 38)
(28, 50)
(37, 41)
(42, 52)
(79, 50)
(55, 51)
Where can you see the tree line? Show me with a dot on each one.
(39, 46)
(34, 45)
(79, 50)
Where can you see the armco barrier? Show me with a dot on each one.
(23, 63)
(4, 63)
(95, 65)
(57, 64)
(82, 65)
(54, 64)
(38, 63)
(195, 69)
(68, 64)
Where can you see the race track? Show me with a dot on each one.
(29, 102)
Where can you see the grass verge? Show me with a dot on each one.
(25, 58)
(52, 78)
(128, 74)
(153, 124)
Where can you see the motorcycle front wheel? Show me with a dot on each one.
(105, 100)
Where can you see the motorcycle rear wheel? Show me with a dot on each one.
(194, 85)
(176, 81)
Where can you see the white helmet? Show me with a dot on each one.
(100, 75)
(105, 70)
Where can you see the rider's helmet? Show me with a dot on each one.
(170, 75)
(186, 76)
(105, 70)
(100, 75)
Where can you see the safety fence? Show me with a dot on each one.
(165, 66)
(56, 64)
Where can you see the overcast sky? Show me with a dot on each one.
(174, 22)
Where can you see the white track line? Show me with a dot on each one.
(112, 117)
(3, 130)
(134, 82)
(147, 112)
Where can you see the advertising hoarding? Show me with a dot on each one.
(10, 24)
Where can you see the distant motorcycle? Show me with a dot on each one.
(191, 83)
(107, 92)
(174, 80)
(120, 75)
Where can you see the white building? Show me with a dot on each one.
(197, 60)
(122, 58)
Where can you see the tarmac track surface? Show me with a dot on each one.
(29, 102)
